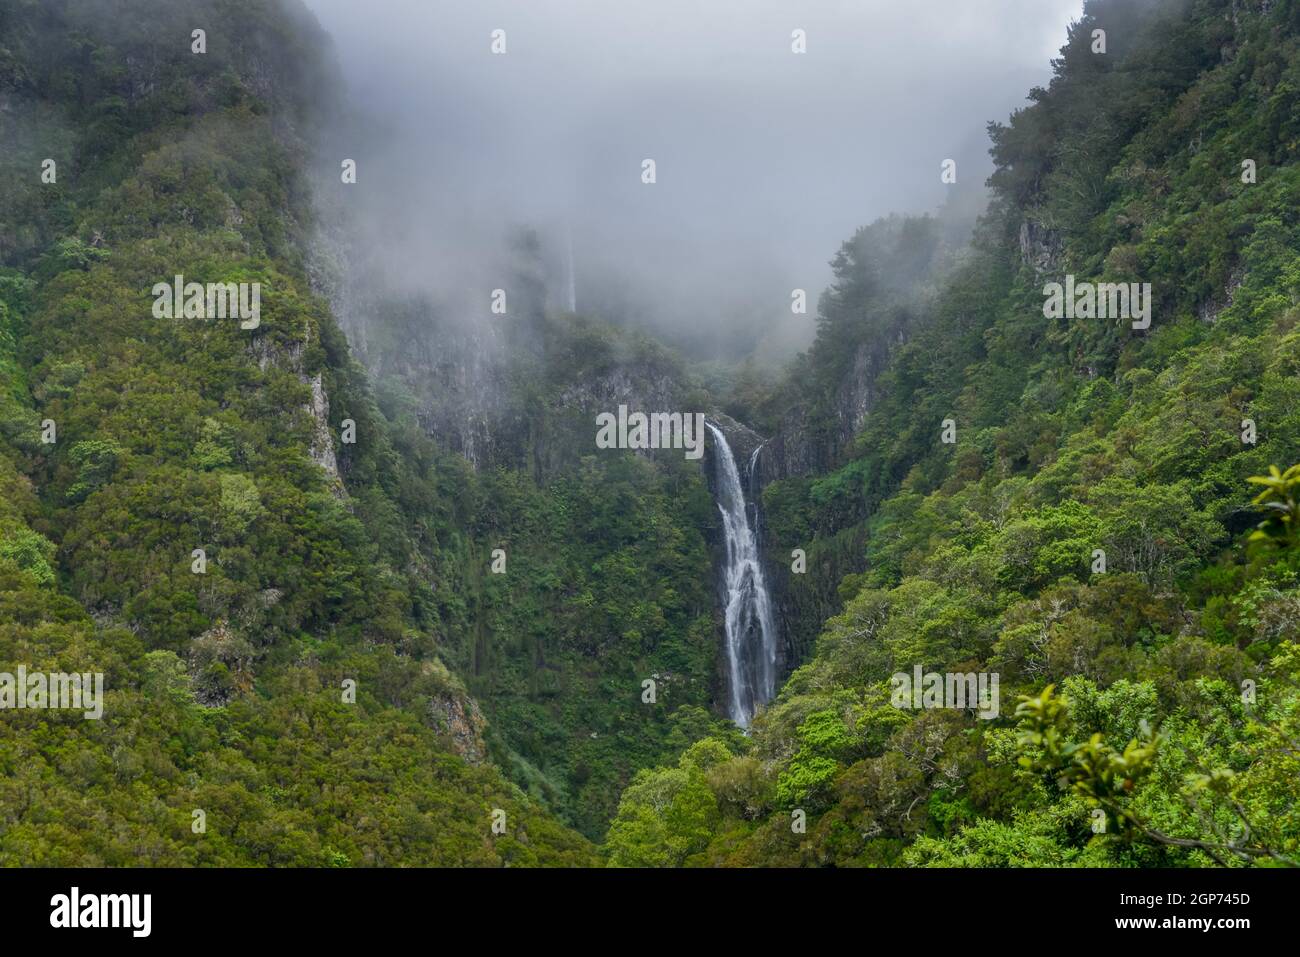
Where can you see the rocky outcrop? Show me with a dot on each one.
(220, 665)
(742, 439)
(463, 382)
(461, 720)
(265, 352)
(1040, 247)
(1209, 310)
(322, 440)
(453, 713)
(857, 395)
(638, 389)
(799, 449)
(791, 451)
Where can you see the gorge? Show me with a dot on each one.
(349, 467)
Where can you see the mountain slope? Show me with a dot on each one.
(1073, 437)
(224, 672)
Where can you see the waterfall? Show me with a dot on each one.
(750, 632)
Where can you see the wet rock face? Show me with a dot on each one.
(464, 385)
(476, 414)
(791, 452)
(742, 439)
(493, 394)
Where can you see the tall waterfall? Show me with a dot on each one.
(751, 633)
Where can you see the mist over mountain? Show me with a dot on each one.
(765, 158)
(989, 559)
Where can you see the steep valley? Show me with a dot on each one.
(366, 589)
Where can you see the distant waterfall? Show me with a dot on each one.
(751, 634)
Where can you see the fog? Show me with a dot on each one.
(765, 159)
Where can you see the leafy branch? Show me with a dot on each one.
(1105, 778)
(1280, 503)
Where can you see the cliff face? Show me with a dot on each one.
(744, 442)
(460, 377)
(886, 278)
(802, 445)
(515, 391)
(1040, 247)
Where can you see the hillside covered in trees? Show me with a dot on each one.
(224, 689)
(350, 613)
(1162, 708)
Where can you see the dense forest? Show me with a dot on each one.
(341, 627)
(1158, 688)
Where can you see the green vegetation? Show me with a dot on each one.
(185, 434)
(224, 689)
(607, 581)
(1176, 660)
(177, 510)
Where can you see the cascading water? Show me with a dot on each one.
(750, 632)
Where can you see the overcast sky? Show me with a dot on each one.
(766, 160)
